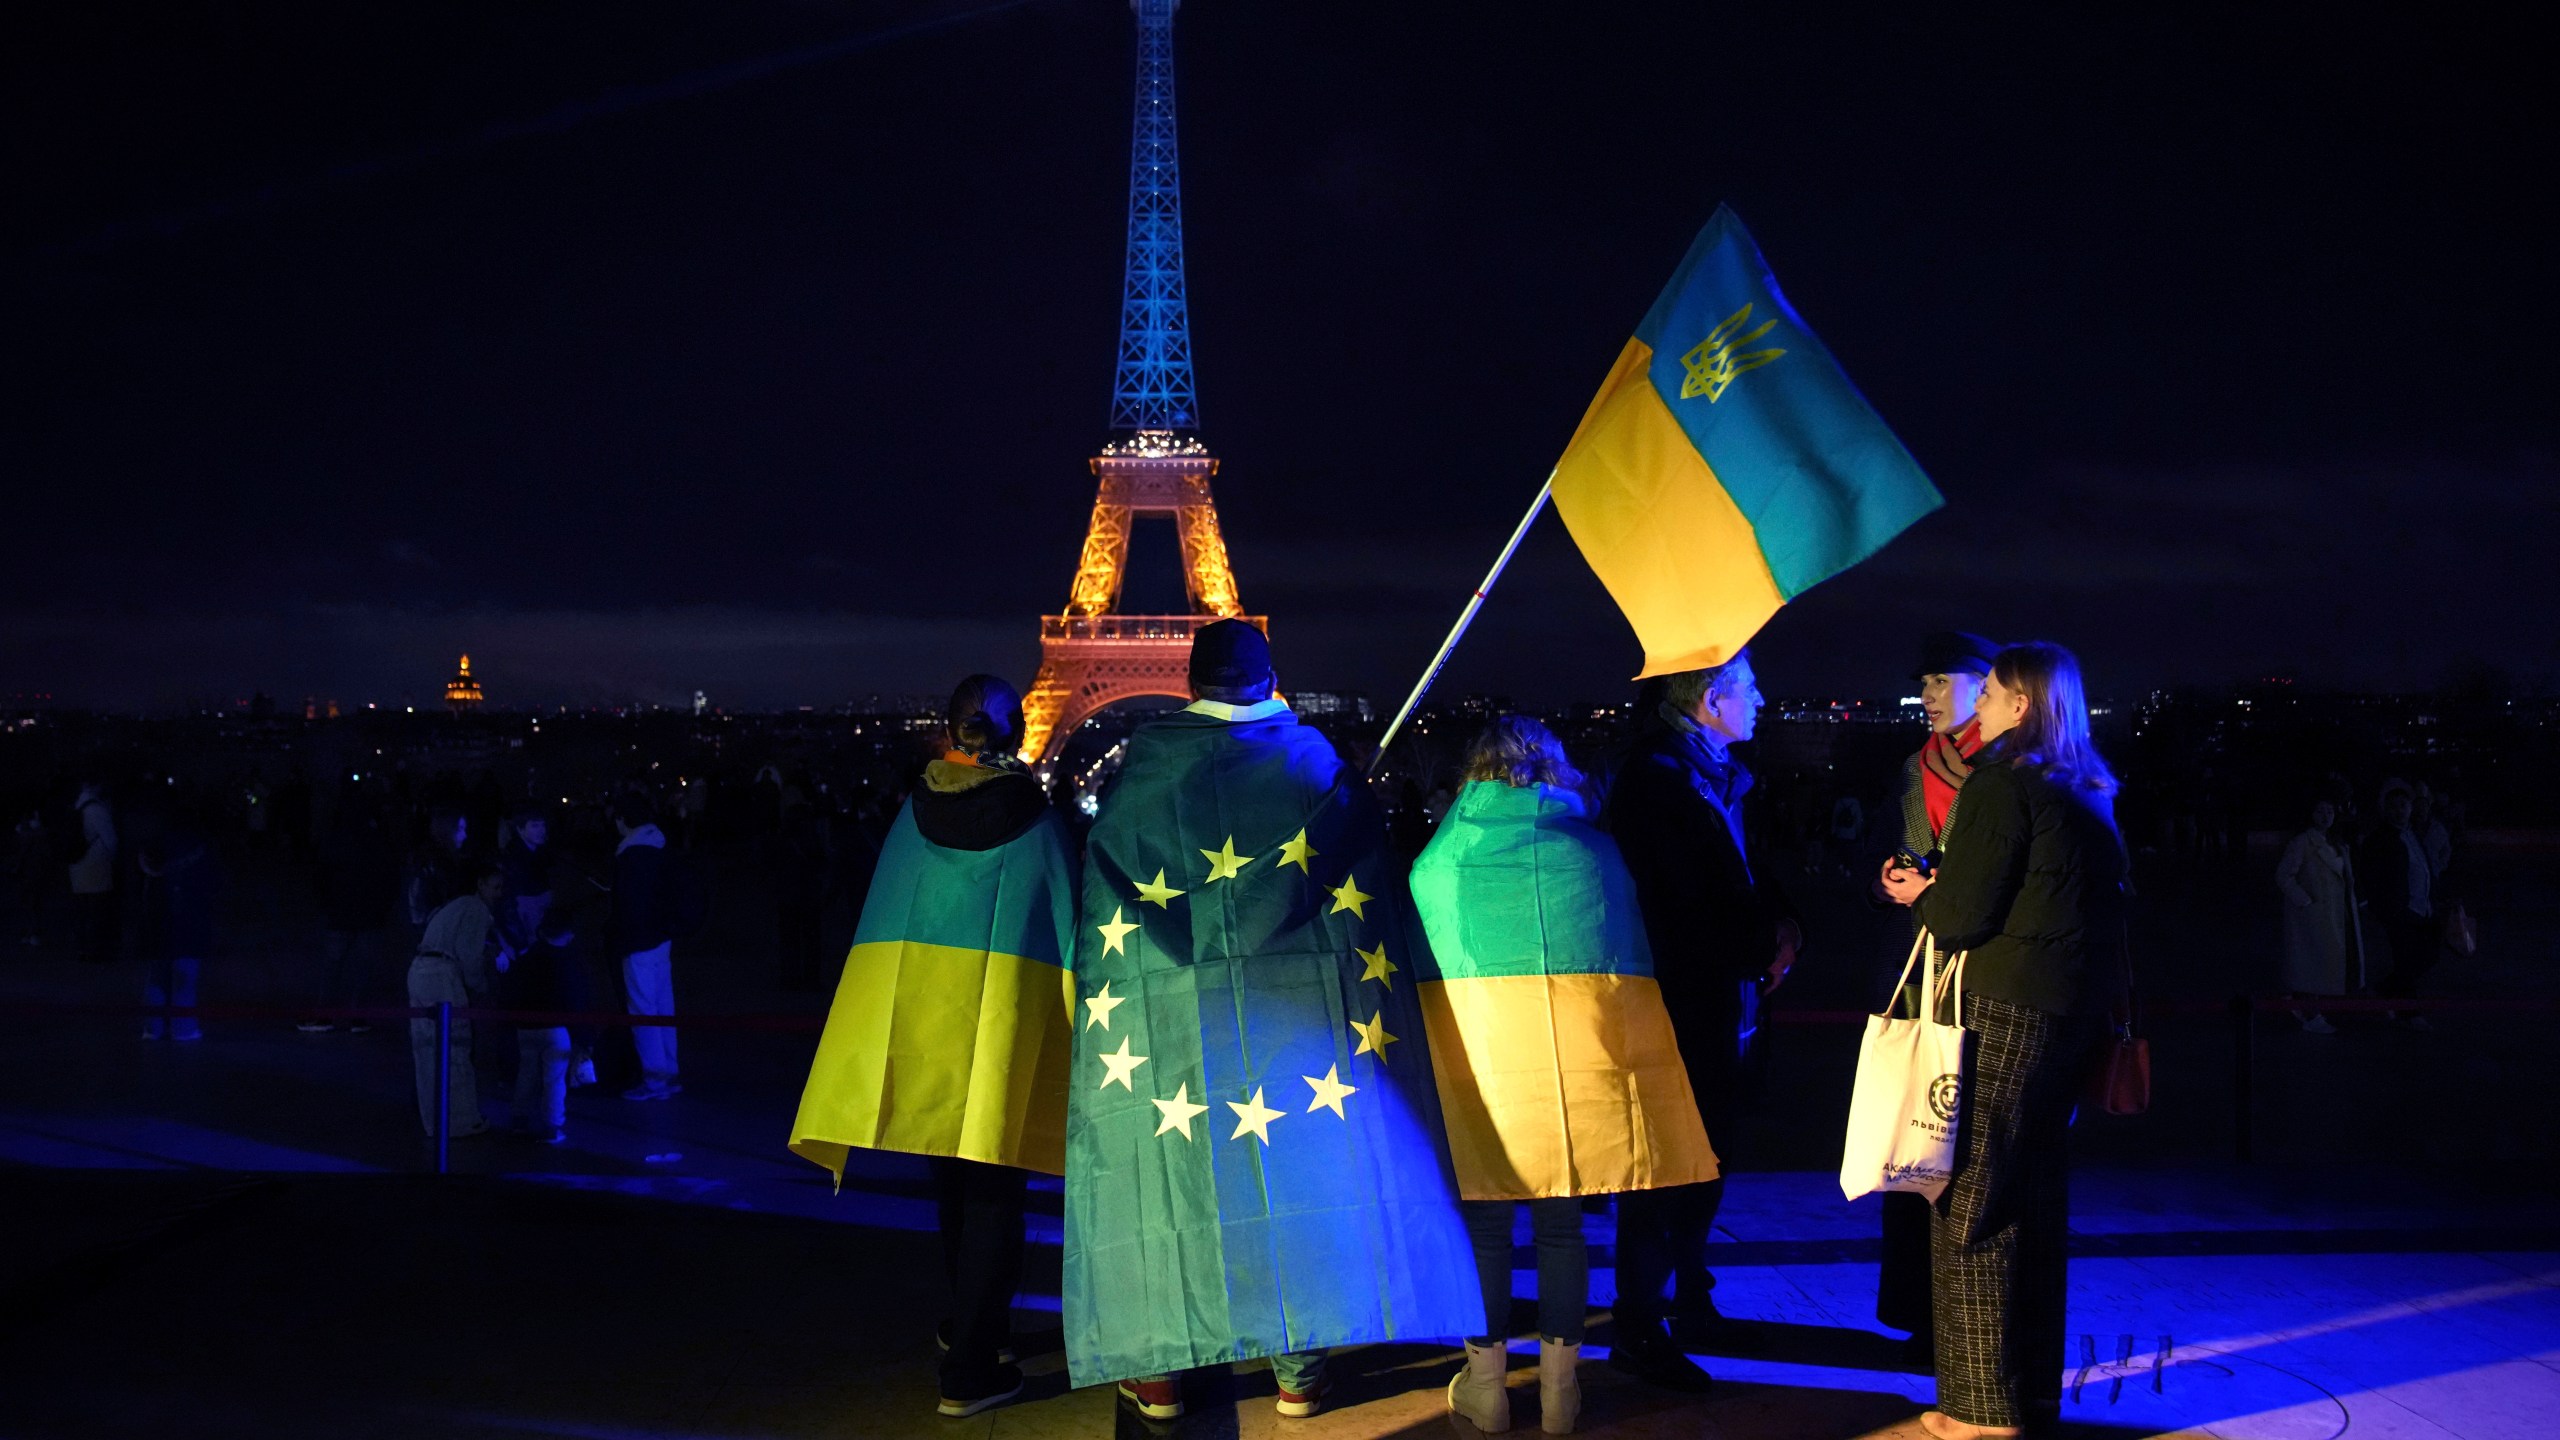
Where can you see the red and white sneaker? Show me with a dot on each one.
(1155, 1399)
(1296, 1406)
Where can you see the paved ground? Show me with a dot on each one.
(234, 1238)
(197, 1304)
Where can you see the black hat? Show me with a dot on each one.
(1229, 655)
(1955, 652)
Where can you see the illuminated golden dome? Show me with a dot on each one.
(462, 692)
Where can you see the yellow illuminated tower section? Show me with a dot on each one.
(1155, 465)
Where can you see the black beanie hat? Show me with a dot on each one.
(1229, 655)
(1955, 652)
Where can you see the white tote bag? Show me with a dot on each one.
(1902, 1115)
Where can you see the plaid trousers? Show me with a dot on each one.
(1998, 1237)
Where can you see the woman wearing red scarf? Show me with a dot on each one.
(1952, 666)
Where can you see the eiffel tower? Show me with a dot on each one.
(1154, 465)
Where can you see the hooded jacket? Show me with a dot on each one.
(966, 806)
(639, 878)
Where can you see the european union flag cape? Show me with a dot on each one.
(949, 1031)
(1559, 1073)
(1254, 1157)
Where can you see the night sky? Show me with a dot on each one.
(759, 347)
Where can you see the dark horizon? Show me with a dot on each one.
(759, 352)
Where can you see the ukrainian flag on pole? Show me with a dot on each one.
(1727, 465)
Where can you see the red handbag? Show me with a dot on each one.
(2121, 1083)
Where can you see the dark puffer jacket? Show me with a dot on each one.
(2033, 884)
(1675, 809)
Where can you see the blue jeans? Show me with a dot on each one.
(1564, 1265)
(172, 982)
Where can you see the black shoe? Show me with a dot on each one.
(942, 1342)
(965, 1397)
(1656, 1361)
(1713, 1334)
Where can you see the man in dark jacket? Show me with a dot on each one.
(1722, 938)
(549, 974)
(2399, 881)
(525, 854)
(177, 923)
(638, 933)
(358, 878)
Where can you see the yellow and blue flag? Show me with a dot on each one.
(949, 1034)
(1727, 464)
(1558, 1070)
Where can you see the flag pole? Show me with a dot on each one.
(1465, 618)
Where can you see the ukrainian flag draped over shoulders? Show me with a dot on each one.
(1255, 1164)
(1558, 1069)
(1728, 464)
(949, 1033)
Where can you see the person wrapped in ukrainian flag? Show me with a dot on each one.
(949, 1034)
(1558, 1071)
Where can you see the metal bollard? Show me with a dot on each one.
(2243, 1078)
(444, 1086)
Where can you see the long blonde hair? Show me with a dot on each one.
(1518, 751)
(2052, 737)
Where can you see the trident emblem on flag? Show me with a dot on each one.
(1712, 365)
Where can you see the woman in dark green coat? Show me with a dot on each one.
(2032, 890)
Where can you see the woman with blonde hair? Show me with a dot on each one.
(2031, 892)
(1558, 1071)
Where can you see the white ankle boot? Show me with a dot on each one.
(1559, 1388)
(1477, 1392)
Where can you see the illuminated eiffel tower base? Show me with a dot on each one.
(1091, 656)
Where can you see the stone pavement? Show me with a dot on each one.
(235, 1237)
(191, 1302)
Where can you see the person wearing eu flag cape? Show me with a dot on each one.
(1559, 1075)
(1255, 1163)
(949, 1036)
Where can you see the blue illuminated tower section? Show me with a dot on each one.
(1152, 388)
